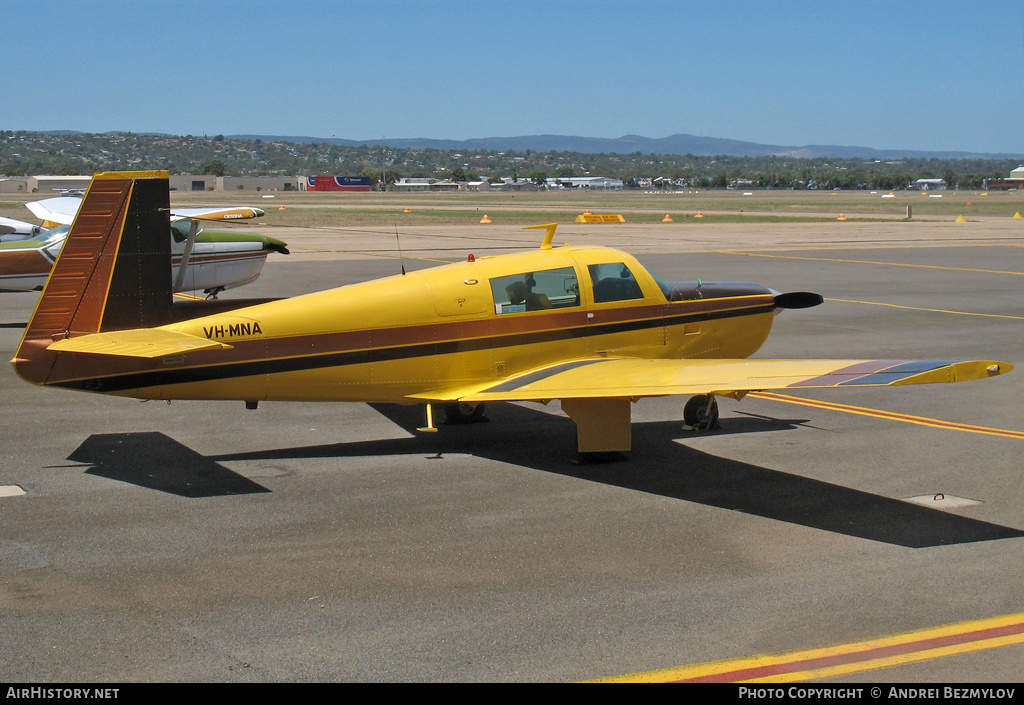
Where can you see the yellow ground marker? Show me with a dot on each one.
(843, 659)
(600, 218)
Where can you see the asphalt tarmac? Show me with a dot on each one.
(201, 541)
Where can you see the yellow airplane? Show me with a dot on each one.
(589, 326)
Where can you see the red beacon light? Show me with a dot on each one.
(471, 258)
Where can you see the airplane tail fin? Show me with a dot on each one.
(113, 272)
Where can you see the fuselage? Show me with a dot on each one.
(442, 328)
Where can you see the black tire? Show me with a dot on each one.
(462, 412)
(698, 416)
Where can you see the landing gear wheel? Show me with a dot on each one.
(701, 413)
(463, 412)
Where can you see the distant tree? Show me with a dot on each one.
(214, 167)
(949, 176)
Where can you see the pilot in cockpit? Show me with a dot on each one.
(519, 293)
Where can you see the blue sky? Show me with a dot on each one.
(929, 75)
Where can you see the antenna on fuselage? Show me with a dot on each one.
(548, 236)
(401, 257)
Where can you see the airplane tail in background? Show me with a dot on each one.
(113, 272)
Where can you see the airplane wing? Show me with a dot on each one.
(63, 210)
(634, 378)
(227, 213)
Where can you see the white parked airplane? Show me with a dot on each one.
(202, 260)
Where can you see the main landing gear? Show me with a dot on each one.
(701, 413)
(464, 412)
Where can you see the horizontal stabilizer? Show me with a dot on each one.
(147, 343)
(60, 211)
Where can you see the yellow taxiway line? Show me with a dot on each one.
(930, 310)
(843, 659)
(891, 415)
(862, 261)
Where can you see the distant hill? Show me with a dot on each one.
(679, 160)
(629, 144)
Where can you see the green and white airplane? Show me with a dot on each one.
(202, 260)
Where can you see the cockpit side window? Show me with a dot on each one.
(536, 291)
(614, 282)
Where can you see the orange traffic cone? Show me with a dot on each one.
(667, 218)
(407, 210)
(485, 219)
(841, 217)
(699, 215)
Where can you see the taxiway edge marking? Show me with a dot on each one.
(930, 310)
(872, 654)
(892, 416)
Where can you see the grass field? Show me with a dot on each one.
(306, 209)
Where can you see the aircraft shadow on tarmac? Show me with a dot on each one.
(159, 462)
(531, 438)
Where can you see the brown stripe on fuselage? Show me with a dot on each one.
(268, 354)
(572, 322)
(215, 257)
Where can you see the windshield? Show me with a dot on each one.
(59, 231)
(662, 284)
(180, 229)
